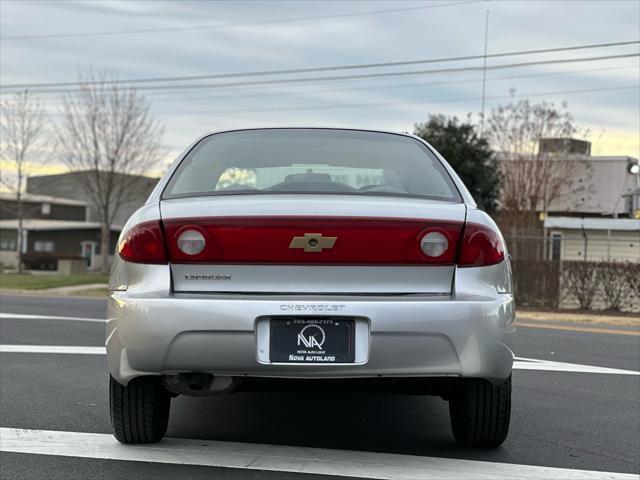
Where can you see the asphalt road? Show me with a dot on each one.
(573, 420)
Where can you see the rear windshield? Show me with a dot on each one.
(311, 161)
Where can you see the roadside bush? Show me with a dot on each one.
(632, 274)
(616, 288)
(537, 283)
(39, 261)
(580, 280)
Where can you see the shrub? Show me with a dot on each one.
(616, 288)
(632, 274)
(581, 281)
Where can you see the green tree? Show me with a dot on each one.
(469, 155)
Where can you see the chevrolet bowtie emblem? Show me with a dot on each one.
(312, 242)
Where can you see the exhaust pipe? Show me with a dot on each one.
(199, 384)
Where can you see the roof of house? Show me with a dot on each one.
(32, 197)
(83, 172)
(608, 158)
(590, 223)
(41, 225)
(597, 187)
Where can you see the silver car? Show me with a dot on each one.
(280, 258)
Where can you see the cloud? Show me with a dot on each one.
(456, 30)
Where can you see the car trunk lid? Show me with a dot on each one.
(311, 244)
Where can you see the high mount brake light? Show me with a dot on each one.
(143, 243)
(481, 246)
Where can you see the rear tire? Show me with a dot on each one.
(480, 413)
(139, 411)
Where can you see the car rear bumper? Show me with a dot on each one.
(408, 336)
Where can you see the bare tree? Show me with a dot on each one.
(23, 131)
(532, 180)
(109, 134)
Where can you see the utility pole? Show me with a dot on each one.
(484, 72)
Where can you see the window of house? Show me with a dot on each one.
(8, 244)
(44, 246)
(46, 209)
(556, 246)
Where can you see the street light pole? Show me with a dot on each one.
(484, 72)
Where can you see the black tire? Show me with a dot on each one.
(139, 411)
(480, 413)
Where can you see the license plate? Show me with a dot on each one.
(317, 340)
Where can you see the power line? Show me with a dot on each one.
(323, 69)
(289, 93)
(371, 75)
(214, 26)
(410, 102)
(391, 104)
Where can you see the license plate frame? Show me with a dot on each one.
(312, 340)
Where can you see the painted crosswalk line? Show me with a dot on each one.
(281, 458)
(59, 349)
(521, 363)
(24, 316)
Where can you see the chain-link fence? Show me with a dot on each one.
(586, 273)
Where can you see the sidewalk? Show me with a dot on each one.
(569, 316)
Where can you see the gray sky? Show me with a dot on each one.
(255, 35)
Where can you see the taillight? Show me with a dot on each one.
(143, 243)
(481, 246)
(315, 240)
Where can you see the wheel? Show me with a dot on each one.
(139, 411)
(480, 412)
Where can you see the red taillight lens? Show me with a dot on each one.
(143, 243)
(481, 246)
(329, 240)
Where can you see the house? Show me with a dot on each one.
(592, 215)
(604, 186)
(60, 219)
(52, 228)
(594, 239)
(583, 186)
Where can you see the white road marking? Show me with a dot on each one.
(281, 458)
(49, 317)
(548, 365)
(70, 349)
(519, 363)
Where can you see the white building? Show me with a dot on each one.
(593, 239)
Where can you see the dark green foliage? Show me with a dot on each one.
(469, 155)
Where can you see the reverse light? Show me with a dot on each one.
(481, 246)
(191, 242)
(143, 243)
(434, 244)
